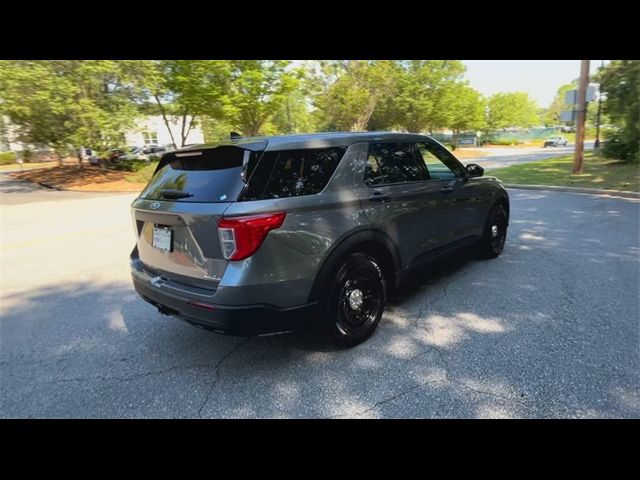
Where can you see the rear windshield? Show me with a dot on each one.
(212, 175)
(292, 173)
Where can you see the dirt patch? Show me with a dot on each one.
(463, 153)
(87, 178)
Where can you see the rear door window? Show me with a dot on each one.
(393, 162)
(292, 173)
(212, 175)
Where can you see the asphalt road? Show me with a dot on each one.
(549, 329)
(506, 157)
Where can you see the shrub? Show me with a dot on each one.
(7, 158)
(618, 147)
(130, 165)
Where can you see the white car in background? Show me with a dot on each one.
(555, 142)
(145, 153)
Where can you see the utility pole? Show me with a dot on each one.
(581, 104)
(596, 146)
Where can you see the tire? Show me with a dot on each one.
(355, 300)
(495, 233)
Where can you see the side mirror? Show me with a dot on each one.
(474, 170)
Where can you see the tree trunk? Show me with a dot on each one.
(184, 134)
(182, 124)
(166, 122)
(289, 126)
(361, 123)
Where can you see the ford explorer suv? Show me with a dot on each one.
(267, 234)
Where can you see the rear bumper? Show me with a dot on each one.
(244, 320)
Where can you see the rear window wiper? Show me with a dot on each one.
(175, 194)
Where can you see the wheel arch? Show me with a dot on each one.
(504, 201)
(372, 242)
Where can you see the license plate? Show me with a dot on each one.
(162, 238)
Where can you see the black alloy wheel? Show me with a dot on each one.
(495, 234)
(356, 301)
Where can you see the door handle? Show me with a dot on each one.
(447, 189)
(378, 197)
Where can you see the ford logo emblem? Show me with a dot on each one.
(155, 205)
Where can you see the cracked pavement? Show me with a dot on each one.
(548, 330)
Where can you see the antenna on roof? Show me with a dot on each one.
(234, 135)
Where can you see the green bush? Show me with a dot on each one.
(7, 158)
(130, 165)
(618, 147)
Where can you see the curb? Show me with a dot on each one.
(63, 189)
(592, 191)
(46, 185)
(60, 189)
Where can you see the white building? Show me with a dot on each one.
(153, 131)
(9, 137)
(148, 131)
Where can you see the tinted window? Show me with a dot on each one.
(292, 173)
(393, 163)
(438, 161)
(213, 175)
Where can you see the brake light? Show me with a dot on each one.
(240, 237)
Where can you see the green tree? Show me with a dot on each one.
(426, 94)
(620, 81)
(215, 130)
(294, 115)
(66, 103)
(184, 91)
(257, 92)
(511, 109)
(467, 110)
(350, 92)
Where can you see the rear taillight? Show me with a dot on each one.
(240, 237)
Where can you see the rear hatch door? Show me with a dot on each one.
(176, 214)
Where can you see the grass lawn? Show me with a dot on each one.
(598, 173)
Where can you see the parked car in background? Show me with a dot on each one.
(146, 153)
(154, 150)
(555, 142)
(91, 156)
(115, 154)
(268, 234)
(133, 154)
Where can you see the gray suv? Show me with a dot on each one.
(265, 234)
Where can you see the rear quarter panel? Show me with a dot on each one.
(282, 271)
